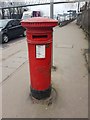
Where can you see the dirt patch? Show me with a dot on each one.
(86, 55)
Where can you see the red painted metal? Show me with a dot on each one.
(39, 32)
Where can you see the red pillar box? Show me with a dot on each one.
(39, 38)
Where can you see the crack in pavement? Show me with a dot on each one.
(12, 73)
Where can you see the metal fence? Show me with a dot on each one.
(83, 20)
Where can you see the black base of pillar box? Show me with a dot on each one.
(41, 94)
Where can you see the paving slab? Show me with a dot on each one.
(13, 49)
(0, 74)
(13, 55)
(6, 72)
(10, 65)
(0, 102)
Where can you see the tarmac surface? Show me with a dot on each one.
(70, 79)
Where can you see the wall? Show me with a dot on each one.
(83, 20)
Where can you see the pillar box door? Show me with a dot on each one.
(39, 38)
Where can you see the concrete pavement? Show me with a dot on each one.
(14, 55)
(70, 80)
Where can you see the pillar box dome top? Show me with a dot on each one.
(39, 22)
